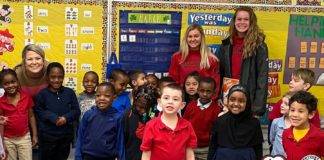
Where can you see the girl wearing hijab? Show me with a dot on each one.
(236, 135)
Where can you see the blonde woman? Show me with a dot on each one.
(244, 56)
(31, 71)
(194, 56)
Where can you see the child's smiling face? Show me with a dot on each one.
(237, 102)
(55, 78)
(299, 115)
(90, 82)
(104, 97)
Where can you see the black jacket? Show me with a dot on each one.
(254, 73)
(132, 143)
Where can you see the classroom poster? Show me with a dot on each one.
(148, 39)
(68, 33)
(305, 46)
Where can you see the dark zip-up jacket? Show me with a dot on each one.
(254, 73)
(100, 135)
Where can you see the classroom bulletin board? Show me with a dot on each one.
(295, 37)
(71, 34)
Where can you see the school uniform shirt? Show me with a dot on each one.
(100, 135)
(165, 143)
(312, 144)
(277, 128)
(122, 102)
(202, 117)
(51, 105)
(17, 124)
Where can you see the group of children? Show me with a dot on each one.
(158, 120)
(295, 124)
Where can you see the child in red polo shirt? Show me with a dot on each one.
(202, 114)
(169, 136)
(17, 106)
(303, 140)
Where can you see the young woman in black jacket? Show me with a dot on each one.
(244, 56)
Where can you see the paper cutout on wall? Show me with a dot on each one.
(6, 42)
(5, 11)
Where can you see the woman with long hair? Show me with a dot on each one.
(194, 56)
(244, 56)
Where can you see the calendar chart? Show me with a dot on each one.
(148, 39)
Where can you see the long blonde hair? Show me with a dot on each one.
(254, 36)
(204, 51)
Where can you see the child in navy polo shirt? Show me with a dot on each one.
(202, 114)
(57, 108)
(169, 136)
(303, 140)
(100, 135)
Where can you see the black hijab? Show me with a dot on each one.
(241, 130)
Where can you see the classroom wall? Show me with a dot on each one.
(291, 33)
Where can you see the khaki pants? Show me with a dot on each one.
(19, 147)
(201, 153)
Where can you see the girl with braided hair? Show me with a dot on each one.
(135, 118)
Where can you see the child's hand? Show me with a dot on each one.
(3, 65)
(3, 156)
(3, 120)
(34, 140)
(60, 121)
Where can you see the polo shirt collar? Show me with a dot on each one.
(310, 134)
(59, 91)
(203, 106)
(180, 124)
(4, 99)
